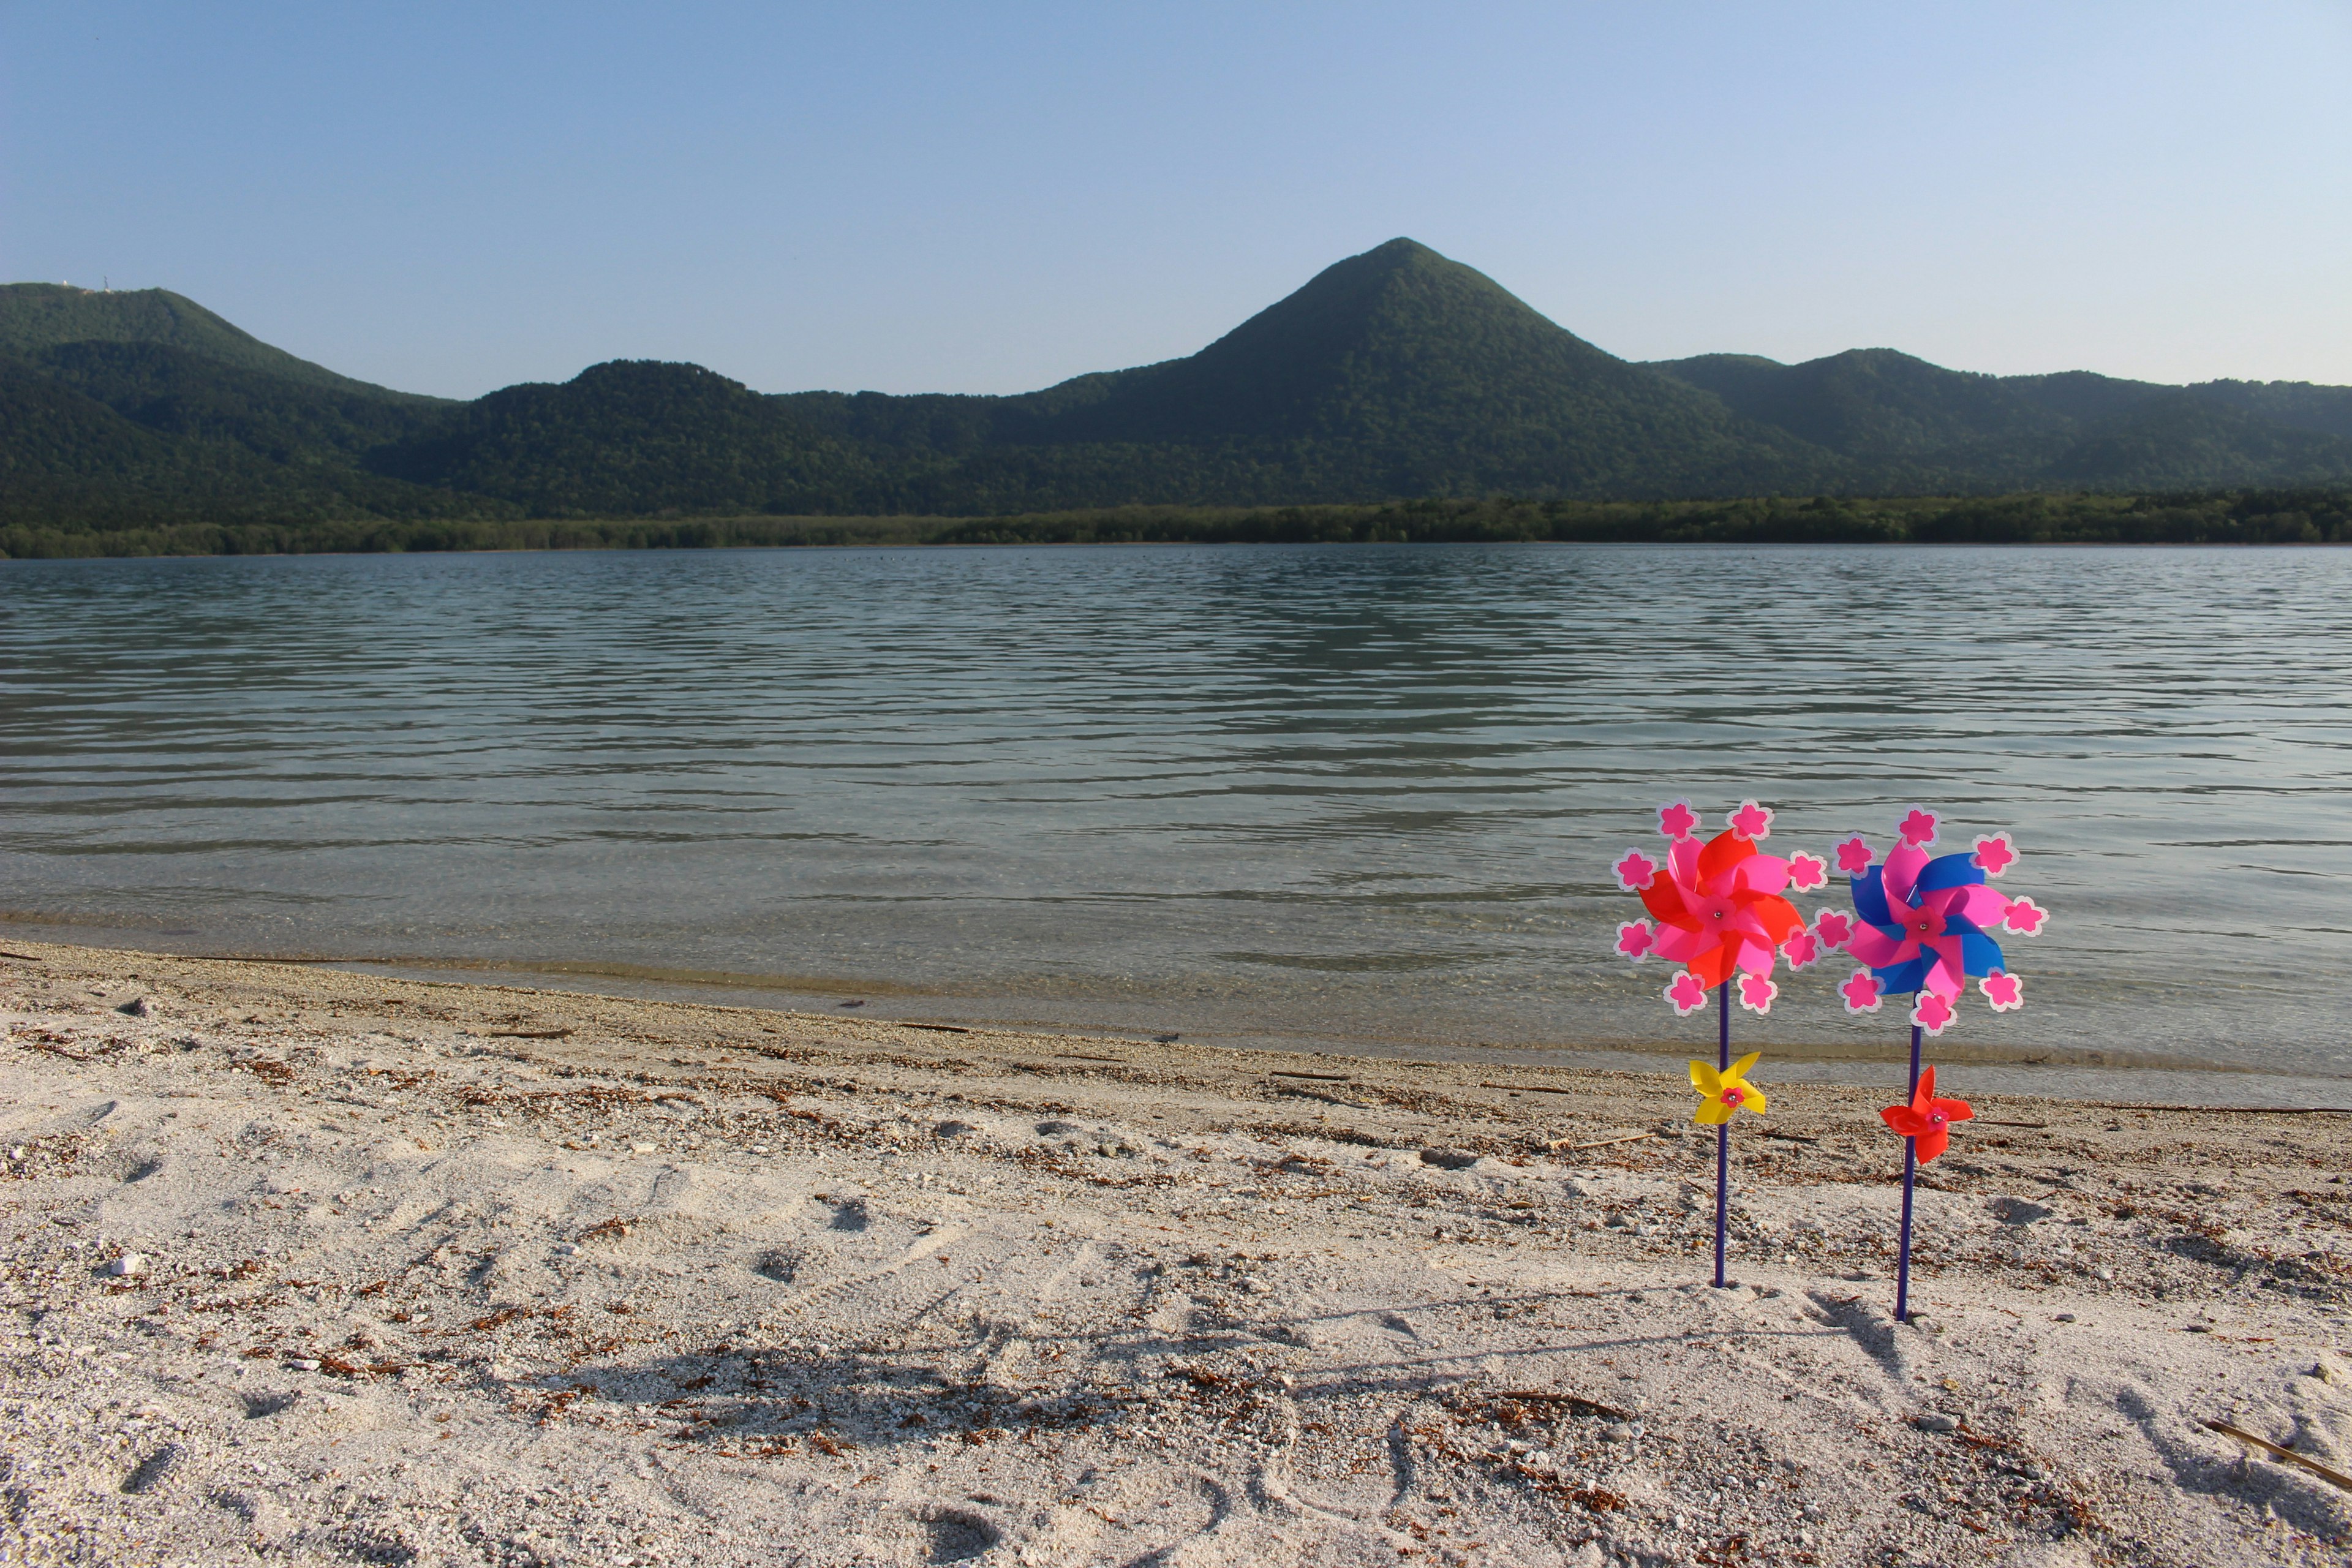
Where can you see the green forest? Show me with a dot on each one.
(2239, 517)
(1397, 395)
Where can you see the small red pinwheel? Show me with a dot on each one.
(1717, 905)
(1926, 1120)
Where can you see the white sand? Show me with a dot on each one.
(701, 1285)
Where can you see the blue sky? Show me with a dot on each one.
(990, 198)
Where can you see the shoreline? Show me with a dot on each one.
(454, 1273)
(2057, 1072)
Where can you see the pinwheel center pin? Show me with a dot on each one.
(1936, 1118)
(1734, 1096)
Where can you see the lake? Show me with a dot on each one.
(1344, 798)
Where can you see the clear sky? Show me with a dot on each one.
(991, 197)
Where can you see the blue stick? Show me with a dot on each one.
(1910, 1170)
(1722, 1137)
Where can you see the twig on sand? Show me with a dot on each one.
(528, 1034)
(939, 1028)
(1562, 1146)
(2231, 1109)
(1986, 1121)
(1577, 1402)
(1538, 1088)
(1787, 1137)
(1317, 1076)
(1082, 1057)
(27, 957)
(2332, 1477)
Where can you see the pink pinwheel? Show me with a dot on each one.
(1925, 923)
(1717, 905)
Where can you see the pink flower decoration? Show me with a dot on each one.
(1854, 856)
(1995, 855)
(1861, 992)
(1918, 829)
(1686, 994)
(1807, 872)
(1635, 871)
(1800, 950)
(1635, 938)
(1677, 821)
(1756, 993)
(1834, 928)
(1933, 1012)
(2024, 917)
(2002, 990)
(1751, 820)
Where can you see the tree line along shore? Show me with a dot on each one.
(2246, 517)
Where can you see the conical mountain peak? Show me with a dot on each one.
(1402, 353)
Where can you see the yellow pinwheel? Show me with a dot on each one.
(1723, 1092)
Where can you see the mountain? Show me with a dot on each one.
(142, 407)
(1916, 426)
(1396, 375)
(1872, 403)
(635, 437)
(1431, 379)
(36, 316)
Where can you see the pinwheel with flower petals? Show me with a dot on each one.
(1925, 923)
(1720, 913)
(1719, 905)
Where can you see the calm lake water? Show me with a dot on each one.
(1345, 797)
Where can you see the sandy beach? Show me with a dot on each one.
(304, 1266)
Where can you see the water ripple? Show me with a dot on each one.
(1336, 795)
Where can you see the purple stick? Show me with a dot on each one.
(1910, 1170)
(1722, 1136)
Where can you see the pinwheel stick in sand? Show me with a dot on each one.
(1720, 913)
(1925, 924)
(1925, 1127)
(1723, 1090)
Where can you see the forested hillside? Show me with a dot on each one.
(139, 420)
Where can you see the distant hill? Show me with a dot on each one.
(1396, 373)
(36, 316)
(131, 408)
(1915, 426)
(1389, 377)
